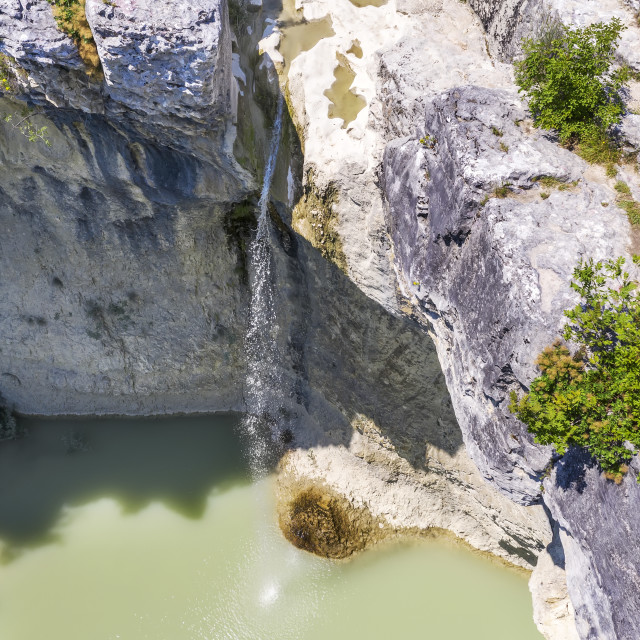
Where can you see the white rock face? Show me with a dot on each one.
(410, 52)
(164, 58)
(552, 610)
(408, 59)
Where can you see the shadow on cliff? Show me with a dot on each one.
(359, 366)
(373, 365)
(71, 462)
(356, 366)
(571, 470)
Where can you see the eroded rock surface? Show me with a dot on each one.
(125, 289)
(165, 59)
(122, 287)
(122, 247)
(599, 522)
(492, 271)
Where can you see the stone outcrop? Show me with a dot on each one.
(165, 60)
(56, 73)
(489, 261)
(167, 68)
(598, 523)
(446, 223)
(122, 249)
(508, 21)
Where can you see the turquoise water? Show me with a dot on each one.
(136, 529)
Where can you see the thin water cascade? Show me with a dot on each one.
(264, 386)
(276, 571)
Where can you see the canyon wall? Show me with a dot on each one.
(122, 286)
(492, 271)
(411, 300)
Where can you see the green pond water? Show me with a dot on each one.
(150, 529)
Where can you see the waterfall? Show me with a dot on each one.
(268, 397)
(264, 386)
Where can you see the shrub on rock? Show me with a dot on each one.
(592, 398)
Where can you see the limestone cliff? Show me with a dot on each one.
(123, 256)
(122, 286)
(492, 271)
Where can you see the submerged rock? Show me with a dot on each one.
(323, 522)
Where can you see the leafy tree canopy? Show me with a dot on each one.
(568, 77)
(592, 398)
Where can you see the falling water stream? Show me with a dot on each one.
(264, 387)
(155, 529)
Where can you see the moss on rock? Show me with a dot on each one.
(317, 519)
(71, 19)
(315, 218)
(239, 223)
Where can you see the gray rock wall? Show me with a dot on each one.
(167, 67)
(507, 22)
(599, 523)
(493, 275)
(121, 285)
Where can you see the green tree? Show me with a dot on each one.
(592, 398)
(569, 79)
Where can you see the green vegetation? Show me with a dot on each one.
(29, 130)
(237, 16)
(71, 19)
(9, 71)
(627, 202)
(7, 74)
(572, 87)
(428, 141)
(502, 191)
(553, 183)
(315, 217)
(239, 223)
(591, 399)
